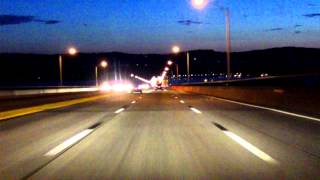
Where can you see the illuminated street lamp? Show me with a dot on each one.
(200, 4)
(71, 51)
(103, 64)
(166, 69)
(176, 49)
(169, 63)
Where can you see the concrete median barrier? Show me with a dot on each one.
(40, 91)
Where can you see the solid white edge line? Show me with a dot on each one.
(195, 110)
(119, 110)
(133, 102)
(254, 150)
(270, 109)
(69, 142)
(182, 101)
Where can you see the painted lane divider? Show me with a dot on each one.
(73, 140)
(133, 102)
(245, 144)
(119, 110)
(182, 101)
(195, 110)
(69, 142)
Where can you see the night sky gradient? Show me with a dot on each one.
(153, 26)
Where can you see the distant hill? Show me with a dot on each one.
(37, 69)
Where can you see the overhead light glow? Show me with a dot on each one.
(199, 4)
(105, 87)
(175, 49)
(72, 51)
(104, 64)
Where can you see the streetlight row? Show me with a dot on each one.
(73, 51)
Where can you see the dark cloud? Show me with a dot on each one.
(312, 5)
(274, 29)
(52, 22)
(312, 15)
(15, 19)
(297, 25)
(297, 32)
(189, 22)
(47, 21)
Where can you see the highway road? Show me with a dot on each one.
(159, 135)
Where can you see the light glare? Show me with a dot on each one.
(199, 4)
(104, 64)
(175, 49)
(72, 51)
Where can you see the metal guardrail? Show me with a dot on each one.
(312, 80)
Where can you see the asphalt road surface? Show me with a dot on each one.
(159, 135)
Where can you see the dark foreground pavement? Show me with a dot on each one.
(163, 135)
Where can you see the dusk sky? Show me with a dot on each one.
(153, 26)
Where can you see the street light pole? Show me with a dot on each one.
(200, 4)
(60, 70)
(177, 70)
(103, 64)
(72, 51)
(228, 42)
(96, 73)
(188, 64)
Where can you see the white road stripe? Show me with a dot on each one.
(254, 150)
(270, 109)
(119, 110)
(196, 110)
(69, 142)
(176, 97)
(182, 101)
(133, 102)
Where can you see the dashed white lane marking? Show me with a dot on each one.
(119, 110)
(251, 148)
(133, 102)
(270, 109)
(176, 97)
(182, 101)
(195, 110)
(69, 142)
